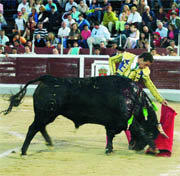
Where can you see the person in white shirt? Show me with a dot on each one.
(69, 5)
(161, 29)
(134, 16)
(69, 21)
(24, 4)
(63, 32)
(19, 23)
(3, 39)
(99, 34)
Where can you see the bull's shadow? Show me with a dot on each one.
(109, 101)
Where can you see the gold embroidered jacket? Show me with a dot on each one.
(128, 67)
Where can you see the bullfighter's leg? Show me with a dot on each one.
(30, 134)
(46, 136)
(109, 143)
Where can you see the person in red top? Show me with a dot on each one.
(174, 7)
(156, 39)
(85, 34)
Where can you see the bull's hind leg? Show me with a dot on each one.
(46, 136)
(109, 143)
(30, 134)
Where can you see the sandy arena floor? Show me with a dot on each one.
(76, 153)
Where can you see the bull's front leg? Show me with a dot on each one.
(109, 141)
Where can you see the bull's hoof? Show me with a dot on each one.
(108, 151)
(23, 154)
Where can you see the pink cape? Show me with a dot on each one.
(167, 120)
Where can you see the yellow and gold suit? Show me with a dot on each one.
(128, 67)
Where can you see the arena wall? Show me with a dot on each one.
(16, 70)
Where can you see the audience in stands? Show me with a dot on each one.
(55, 51)
(44, 17)
(75, 49)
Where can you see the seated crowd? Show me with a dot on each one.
(85, 24)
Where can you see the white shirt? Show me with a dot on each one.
(20, 23)
(163, 32)
(101, 32)
(68, 23)
(26, 6)
(4, 40)
(134, 17)
(69, 6)
(63, 32)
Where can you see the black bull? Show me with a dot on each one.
(109, 101)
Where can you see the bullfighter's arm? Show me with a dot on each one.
(149, 84)
(112, 63)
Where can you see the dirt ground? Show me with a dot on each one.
(76, 153)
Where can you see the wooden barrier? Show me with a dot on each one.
(18, 69)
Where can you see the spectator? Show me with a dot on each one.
(120, 24)
(105, 5)
(34, 14)
(154, 52)
(172, 34)
(99, 33)
(102, 45)
(109, 19)
(28, 50)
(175, 20)
(121, 39)
(156, 39)
(85, 34)
(18, 38)
(54, 20)
(133, 38)
(30, 27)
(81, 22)
(174, 8)
(75, 49)
(74, 34)
(143, 41)
(163, 31)
(48, 44)
(172, 44)
(114, 45)
(24, 4)
(3, 22)
(63, 33)
(3, 39)
(134, 16)
(55, 51)
(62, 3)
(149, 18)
(97, 51)
(69, 21)
(128, 3)
(94, 12)
(19, 24)
(141, 6)
(75, 13)
(161, 15)
(1, 8)
(39, 42)
(153, 2)
(146, 31)
(52, 39)
(37, 5)
(170, 51)
(69, 5)
(24, 14)
(43, 16)
(40, 30)
(49, 5)
(14, 50)
(82, 7)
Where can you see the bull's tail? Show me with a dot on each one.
(15, 100)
